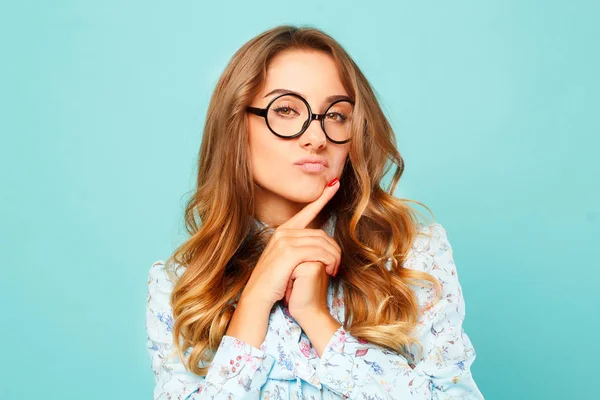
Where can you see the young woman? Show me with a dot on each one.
(302, 277)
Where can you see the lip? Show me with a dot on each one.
(312, 160)
(312, 167)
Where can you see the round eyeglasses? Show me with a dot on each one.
(289, 115)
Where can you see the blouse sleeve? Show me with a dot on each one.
(355, 368)
(238, 369)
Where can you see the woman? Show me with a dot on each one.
(305, 279)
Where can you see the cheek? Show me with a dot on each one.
(264, 151)
(340, 163)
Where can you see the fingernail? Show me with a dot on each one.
(333, 182)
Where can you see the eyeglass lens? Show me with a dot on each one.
(288, 115)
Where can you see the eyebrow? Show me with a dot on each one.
(329, 99)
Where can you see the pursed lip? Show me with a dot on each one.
(318, 160)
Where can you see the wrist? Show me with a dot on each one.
(256, 303)
(249, 323)
(310, 317)
(320, 328)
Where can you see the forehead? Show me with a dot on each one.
(312, 73)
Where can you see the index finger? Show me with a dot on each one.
(312, 209)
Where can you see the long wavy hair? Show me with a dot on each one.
(372, 226)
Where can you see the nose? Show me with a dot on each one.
(314, 133)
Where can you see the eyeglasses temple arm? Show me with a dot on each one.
(258, 111)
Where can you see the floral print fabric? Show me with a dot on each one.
(286, 366)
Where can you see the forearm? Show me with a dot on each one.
(249, 322)
(359, 369)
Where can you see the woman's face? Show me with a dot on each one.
(284, 187)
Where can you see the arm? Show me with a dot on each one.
(238, 369)
(356, 368)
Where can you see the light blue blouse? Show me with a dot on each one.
(286, 366)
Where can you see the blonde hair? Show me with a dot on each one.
(372, 226)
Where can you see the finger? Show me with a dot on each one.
(322, 242)
(315, 253)
(304, 217)
(307, 232)
(309, 268)
(313, 234)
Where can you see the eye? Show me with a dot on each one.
(285, 110)
(336, 116)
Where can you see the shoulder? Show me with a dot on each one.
(430, 237)
(431, 241)
(159, 318)
(432, 253)
(162, 276)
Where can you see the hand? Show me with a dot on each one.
(290, 245)
(307, 292)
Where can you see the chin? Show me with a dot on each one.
(304, 193)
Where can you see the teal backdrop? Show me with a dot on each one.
(495, 107)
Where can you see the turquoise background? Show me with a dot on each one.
(495, 106)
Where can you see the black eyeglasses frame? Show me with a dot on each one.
(262, 112)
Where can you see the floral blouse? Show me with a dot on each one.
(286, 366)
